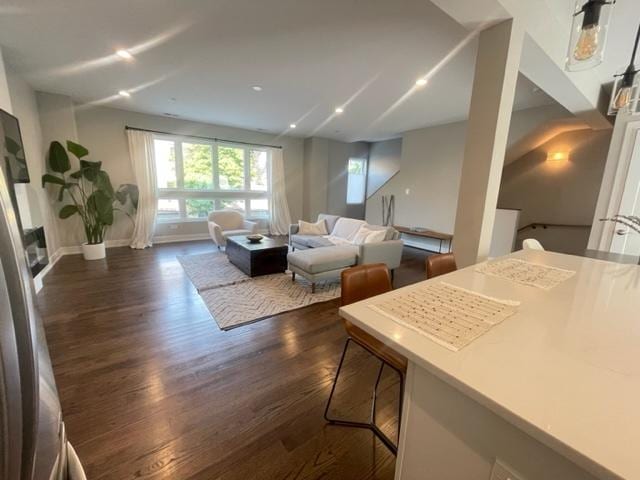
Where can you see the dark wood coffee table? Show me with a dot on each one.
(268, 256)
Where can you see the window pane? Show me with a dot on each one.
(232, 204)
(259, 207)
(258, 169)
(165, 151)
(356, 181)
(231, 168)
(168, 209)
(198, 208)
(197, 164)
(356, 166)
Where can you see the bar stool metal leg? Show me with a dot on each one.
(371, 425)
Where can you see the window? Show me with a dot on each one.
(197, 165)
(195, 177)
(166, 163)
(356, 181)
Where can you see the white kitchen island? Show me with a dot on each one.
(553, 392)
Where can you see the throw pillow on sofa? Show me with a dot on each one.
(308, 228)
(368, 235)
(376, 236)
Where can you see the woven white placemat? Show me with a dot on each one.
(450, 316)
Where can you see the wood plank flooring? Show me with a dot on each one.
(151, 388)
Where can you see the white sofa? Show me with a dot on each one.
(323, 257)
(227, 223)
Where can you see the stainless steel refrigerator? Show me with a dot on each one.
(33, 443)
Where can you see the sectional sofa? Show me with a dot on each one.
(323, 257)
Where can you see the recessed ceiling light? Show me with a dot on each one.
(124, 93)
(421, 82)
(293, 125)
(339, 110)
(124, 54)
(257, 88)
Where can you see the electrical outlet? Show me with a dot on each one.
(501, 471)
(407, 191)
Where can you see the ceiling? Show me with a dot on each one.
(198, 59)
(622, 32)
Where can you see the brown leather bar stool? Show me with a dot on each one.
(359, 283)
(440, 264)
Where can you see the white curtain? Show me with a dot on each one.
(144, 169)
(280, 216)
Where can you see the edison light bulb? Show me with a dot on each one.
(622, 98)
(587, 44)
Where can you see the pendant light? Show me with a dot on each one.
(588, 34)
(626, 89)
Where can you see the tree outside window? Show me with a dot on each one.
(196, 177)
(231, 168)
(197, 165)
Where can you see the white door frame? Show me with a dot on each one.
(605, 231)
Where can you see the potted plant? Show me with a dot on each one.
(89, 193)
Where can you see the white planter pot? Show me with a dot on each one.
(93, 252)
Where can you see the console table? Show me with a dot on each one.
(425, 233)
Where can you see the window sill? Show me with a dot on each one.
(168, 221)
(203, 220)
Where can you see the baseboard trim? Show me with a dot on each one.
(77, 249)
(37, 280)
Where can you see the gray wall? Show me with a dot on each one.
(339, 155)
(102, 131)
(430, 167)
(5, 98)
(40, 206)
(316, 174)
(384, 163)
(558, 192)
(426, 187)
(58, 122)
(325, 177)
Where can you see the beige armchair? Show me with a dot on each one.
(226, 223)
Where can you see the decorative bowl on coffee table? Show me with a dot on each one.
(254, 238)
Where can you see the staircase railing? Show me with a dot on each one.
(535, 225)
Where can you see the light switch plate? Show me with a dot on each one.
(501, 471)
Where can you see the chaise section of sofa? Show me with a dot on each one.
(323, 257)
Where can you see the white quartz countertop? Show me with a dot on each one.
(565, 368)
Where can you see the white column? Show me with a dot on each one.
(494, 86)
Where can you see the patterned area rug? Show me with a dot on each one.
(263, 297)
(235, 299)
(211, 270)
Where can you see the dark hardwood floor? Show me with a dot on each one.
(151, 388)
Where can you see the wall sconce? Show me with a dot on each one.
(626, 89)
(558, 157)
(588, 34)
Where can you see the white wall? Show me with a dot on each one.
(102, 131)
